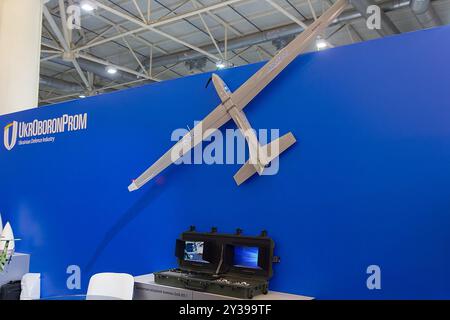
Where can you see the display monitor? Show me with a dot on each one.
(246, 257)
(193, 251)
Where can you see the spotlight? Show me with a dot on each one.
(321, 44)
(111, 70)
(221, 65)
(87, 6)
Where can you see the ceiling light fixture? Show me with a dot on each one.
(87, 6)
(321, 44)
(221, 65)
(111, 70)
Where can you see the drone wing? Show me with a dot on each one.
(253, 86)
(201, 131)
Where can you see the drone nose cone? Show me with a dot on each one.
(132, 187)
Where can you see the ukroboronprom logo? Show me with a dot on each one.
(10, 135)
(42, 131)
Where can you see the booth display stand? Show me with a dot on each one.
(145, 288)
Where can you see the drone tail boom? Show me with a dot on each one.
(273, 150)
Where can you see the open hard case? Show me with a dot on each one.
(225, 264)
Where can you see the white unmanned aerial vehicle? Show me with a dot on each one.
(233, 104)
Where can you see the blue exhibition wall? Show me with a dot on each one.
(367, 184)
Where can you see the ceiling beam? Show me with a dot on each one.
(287, 14)
(139, 11)
(151, 28)
(81, 74)
(195, 12)
(55, 29)
(62, 13)
(269, 35)
(208, 31)
(153, 25)
(107, 63)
